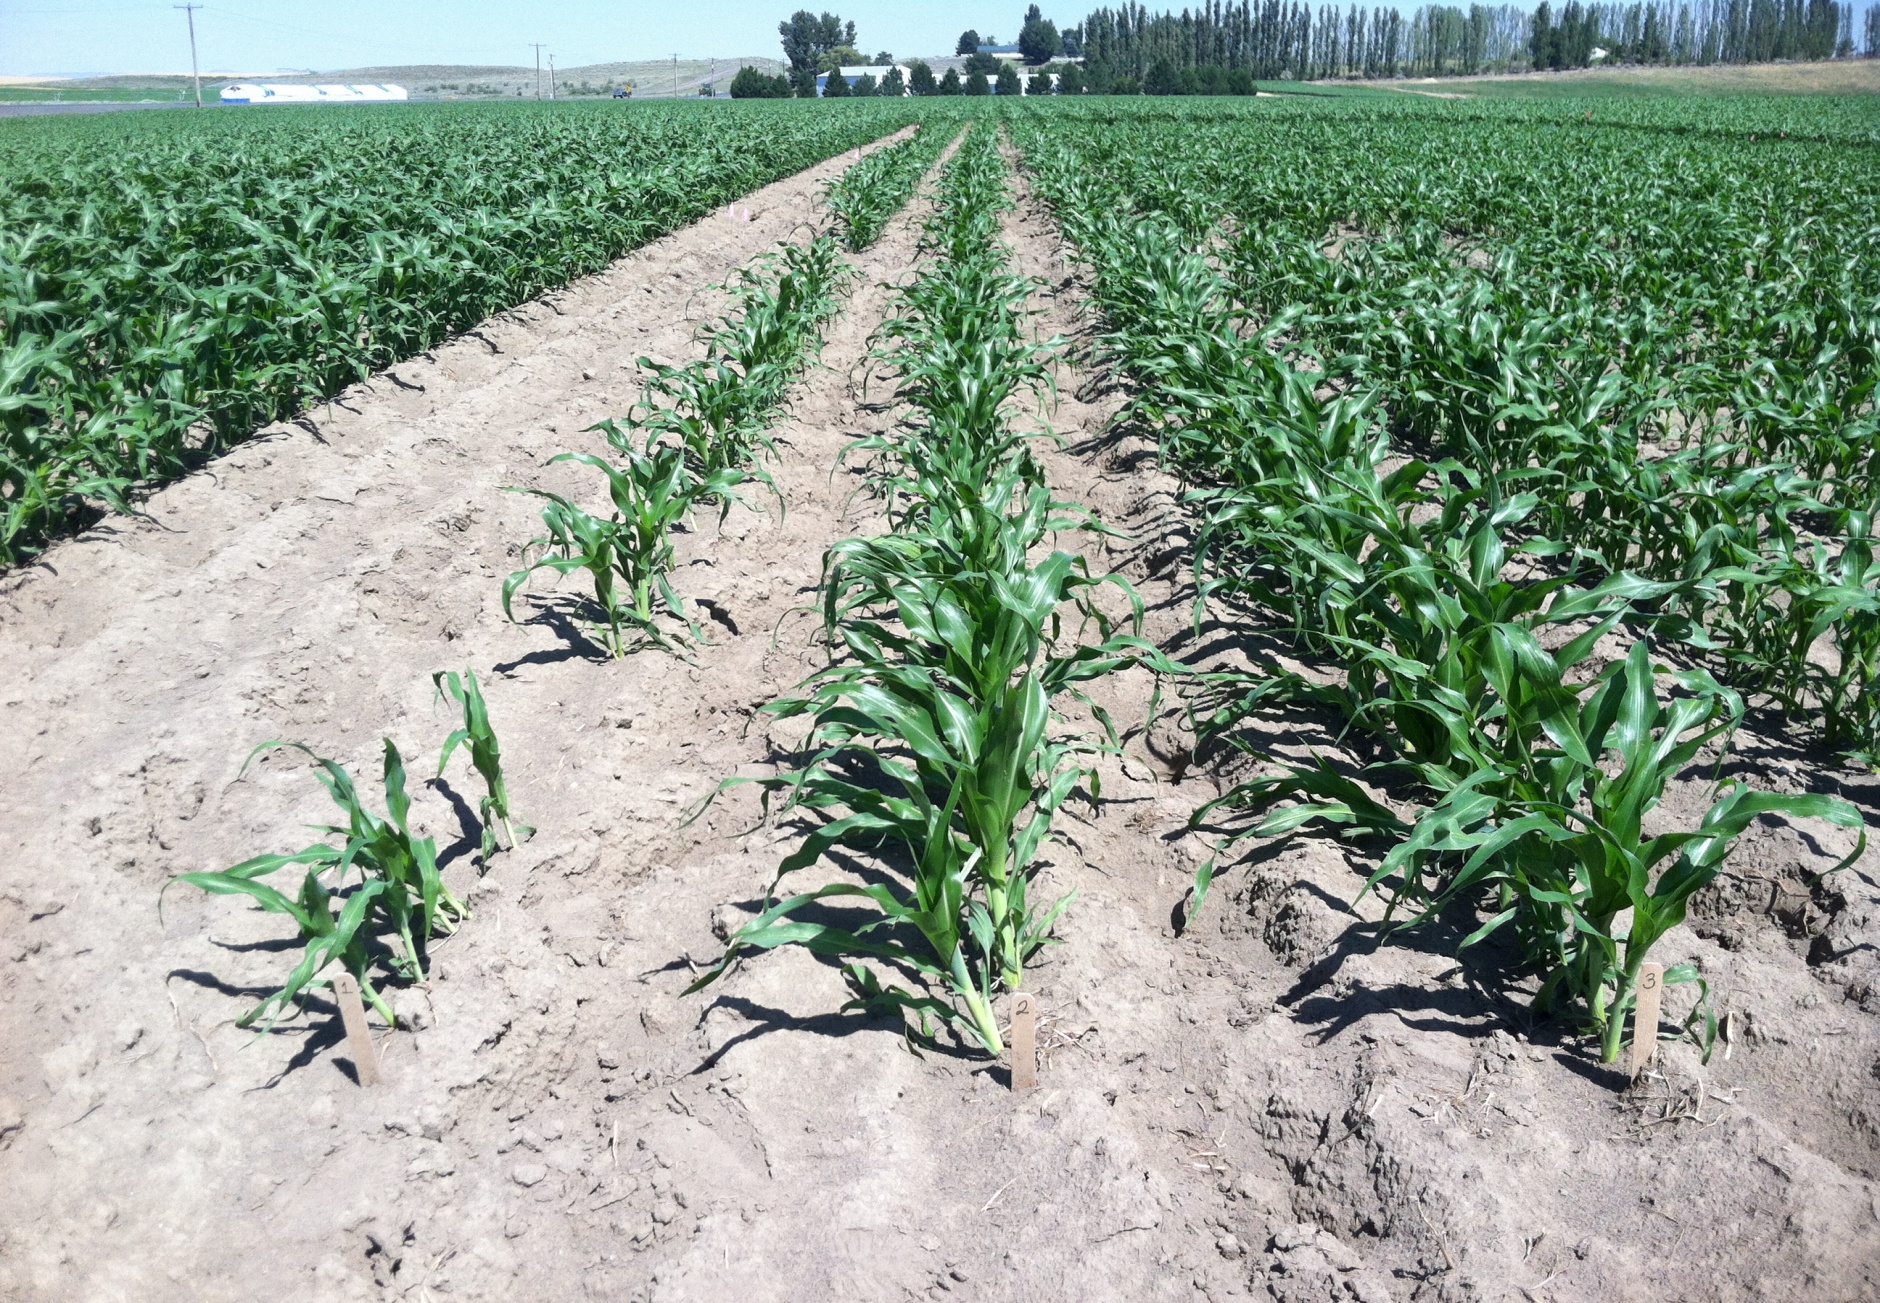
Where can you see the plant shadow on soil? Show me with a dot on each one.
(1769, 743)
(568, 618)
(316, 1020)
(469, 827)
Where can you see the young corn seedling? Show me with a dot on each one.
(1566, 857)
(399, 889)
(628, 555)
(485, 757)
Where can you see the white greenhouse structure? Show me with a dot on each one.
(266, 92)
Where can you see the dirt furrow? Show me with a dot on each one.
(305, 587)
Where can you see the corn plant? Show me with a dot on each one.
(933, 733)
(628, 555)
(399, 889)
(485, 756)
(1564, 854)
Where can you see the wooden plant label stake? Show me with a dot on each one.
(1024, 1041)
(1651, 985)
(358, 1036)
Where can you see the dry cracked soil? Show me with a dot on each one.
(1265, 1103)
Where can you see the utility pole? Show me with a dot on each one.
(195, 72)
(551, 76)
(675, 76)
(538, 69)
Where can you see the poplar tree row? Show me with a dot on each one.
(1287, 39)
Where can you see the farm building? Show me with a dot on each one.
(853, 75)
(291, 93)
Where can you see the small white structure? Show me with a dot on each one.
(272, 92)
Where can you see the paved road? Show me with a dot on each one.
(111, 106)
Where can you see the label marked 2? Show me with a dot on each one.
(1024, 1041)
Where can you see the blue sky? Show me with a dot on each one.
(88, 37)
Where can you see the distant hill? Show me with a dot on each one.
(143, 81)
(650, 79)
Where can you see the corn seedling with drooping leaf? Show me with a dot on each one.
(628, 555)
(398, 889)
(485, 757)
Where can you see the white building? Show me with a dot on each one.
(853, 75)
(269, 92)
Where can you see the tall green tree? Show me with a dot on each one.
(1163, 79)
(1008, 83)
(950, 84)
(893, 84)
(978, 85)
(1541, 36)
(1038, 40)
(750, 84)
(807, 39)
(968, 42)
(920, 78)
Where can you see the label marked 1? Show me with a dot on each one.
(358, 1035)
(1024, 1041)
(1651, 985)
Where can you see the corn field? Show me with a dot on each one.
(1546, 447)
(168, 286)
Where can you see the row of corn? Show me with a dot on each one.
(378, 901)
(935, 747)
(1476, 659)
(865, 196)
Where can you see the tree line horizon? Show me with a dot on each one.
(1212, 47)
